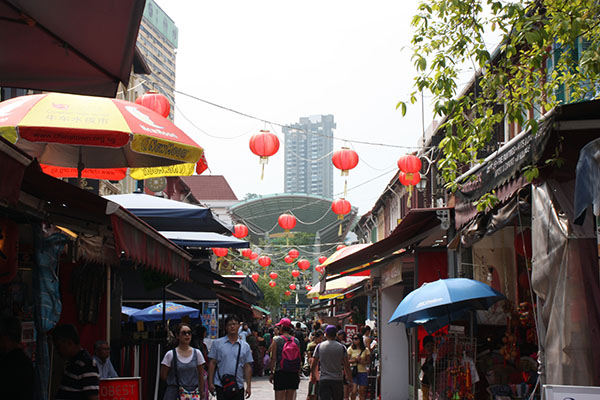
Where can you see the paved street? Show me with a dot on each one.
(262, 389)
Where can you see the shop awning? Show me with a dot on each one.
(262, 310)
(68, 46)
(204, 239)
(417, 225)
(337, 288)
(235, 301)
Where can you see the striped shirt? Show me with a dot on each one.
(80, 378)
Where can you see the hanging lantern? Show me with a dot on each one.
(292, 286)
(340, 246)
(246, 253)
(308, 287)
(264, 261)
(240, 231)
(319, 269)
(239, 272)
(344, 160)
(295, 273)
(410, 180)
(409, 164)
(304, 264)
(273, 275)
(287, 293)
(287, 222)
(288, 259)
(264, 144)
(253, 256)
(322, 259)
(255, 277)
(293, 253)
(220, 251)
(272, 283)
(341, 207)
(155, 102)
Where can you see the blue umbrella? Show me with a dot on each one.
(436, 304)
(129, 310)
(172, 311)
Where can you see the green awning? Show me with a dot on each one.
(262, 310)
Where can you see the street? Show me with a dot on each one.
(263, 389)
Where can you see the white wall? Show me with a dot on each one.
(393, 348)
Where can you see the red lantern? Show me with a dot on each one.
(288, 259)
(322, 259)
(340, 246)
(156, 102)
(293, 253)
(287, 222)
(273, 275)
(409, 179)
(253, 256)
(319, 269)
(246, 253)
(255, 277)
(295, 273)
(287, 293)
(345, 159)
(304, 264)
(240, 231)
(409, 164)
(239, 272)
(341, 207)
(308, 287)
(264, 144)
(272, 283)
(220, 251)
(292, 286)
(264, 261)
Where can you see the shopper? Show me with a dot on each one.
(101, 357)
(285, 362)
(80, 379)
(230, 364)
(427, 367)
(359, 358)
(313, 387)
(183, 367)
(332, 359)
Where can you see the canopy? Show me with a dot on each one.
(129, 310)
(173, 311)
(204, 239)
(335, 288)
(170, 215)
(68, 45)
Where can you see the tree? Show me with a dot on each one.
(548, 54)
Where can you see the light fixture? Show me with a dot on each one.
(422, 185)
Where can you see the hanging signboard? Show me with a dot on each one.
(120, 389)
(210, 318)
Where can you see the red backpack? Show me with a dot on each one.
(290, 356)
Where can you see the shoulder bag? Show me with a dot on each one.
(183, 393)
(229, 382)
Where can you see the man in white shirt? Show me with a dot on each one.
(101, 354)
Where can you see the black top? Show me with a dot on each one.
(80, 379)
(16, 376)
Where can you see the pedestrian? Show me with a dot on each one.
(332, 359)
(230, 364)
(198, 342)
(16, 369)
(299, 334)
(313, 388)
(101, 357)
(285, 362)
(244, 331)
(183, 367)
(427, 367)
(342, 338)
(80, 378)
(359, 358)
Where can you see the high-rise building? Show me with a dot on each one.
(308, 169)
(157, 40)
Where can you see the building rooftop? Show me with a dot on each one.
(210, 187)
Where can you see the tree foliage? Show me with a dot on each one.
(540, 54)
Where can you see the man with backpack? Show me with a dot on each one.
(331, 358)
(286, 361)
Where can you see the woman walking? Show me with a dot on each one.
(359, 357)
(183, 367)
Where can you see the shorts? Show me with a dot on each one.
(283, 380)
(361, 379)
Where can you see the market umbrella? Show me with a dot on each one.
(346, 251)
(93, 137)
(129, 310)
(335, 288)
(436, 304)
(172, 311)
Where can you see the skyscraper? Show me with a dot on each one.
(308, 167)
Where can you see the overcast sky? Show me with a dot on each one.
(282, 60)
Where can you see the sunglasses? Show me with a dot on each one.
(186, 333)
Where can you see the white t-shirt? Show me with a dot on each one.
(168, 358)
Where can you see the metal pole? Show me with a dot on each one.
(164, 308)
(108, 304)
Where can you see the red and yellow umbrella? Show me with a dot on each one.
(346, 251)
(94, 137)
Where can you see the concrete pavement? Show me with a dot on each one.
(263, 389)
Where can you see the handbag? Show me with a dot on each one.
(229, 382)
(355, 368)
(183, 393)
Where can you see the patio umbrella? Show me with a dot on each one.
(129, 310)
(172, 311)
(93, 137)
(346, 251)
(436, 304)
(335, 288)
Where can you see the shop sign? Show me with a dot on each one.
(120, 389)
(350, 330)
(391, 274)
(210, 311)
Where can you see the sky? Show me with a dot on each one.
(282, 60)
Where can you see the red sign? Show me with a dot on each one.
(120, 389)
(350, 330)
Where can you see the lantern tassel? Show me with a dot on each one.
(410, 189)
(345, 188)
(340, 230)
(262, 172)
